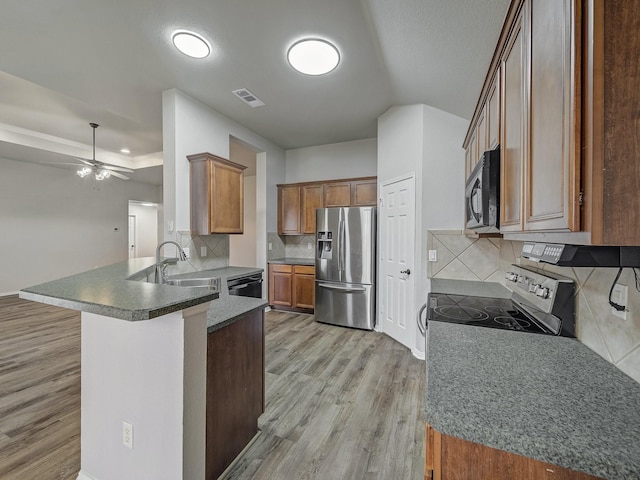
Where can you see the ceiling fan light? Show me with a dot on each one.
(313, 56)
(191, 44)
(83, 172)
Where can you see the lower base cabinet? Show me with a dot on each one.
(235, 390)
(451, 458)
(292, 287)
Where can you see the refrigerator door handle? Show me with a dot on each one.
(341, 248)
(344, 289)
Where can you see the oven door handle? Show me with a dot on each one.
(421, 327)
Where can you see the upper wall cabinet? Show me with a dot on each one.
(217, 194)
(569, 82)
(298, 202)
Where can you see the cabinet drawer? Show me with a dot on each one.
(281, 268)
(308, 269)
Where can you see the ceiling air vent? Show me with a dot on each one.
(247, 97)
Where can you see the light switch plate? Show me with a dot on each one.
(203, 251)
(433, 255)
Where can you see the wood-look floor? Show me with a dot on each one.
(340, 403)
(39, 391)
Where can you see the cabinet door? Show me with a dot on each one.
(311, 199)
(365, 193)
(513, 127)
(467, 162)
(481, 135)
(493, 113)
(337, 194)
(304, 286)
(288, 210)
(551, 195)
(227, 202)
(473, 145)
(280, 285)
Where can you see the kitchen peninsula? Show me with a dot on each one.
(161, 387)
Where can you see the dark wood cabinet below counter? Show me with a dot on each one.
(235, 390)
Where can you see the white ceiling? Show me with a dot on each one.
(66, 63)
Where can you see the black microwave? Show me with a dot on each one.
(482, 194)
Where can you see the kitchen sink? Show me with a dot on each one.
(211, 283)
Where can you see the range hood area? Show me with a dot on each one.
(582, 255)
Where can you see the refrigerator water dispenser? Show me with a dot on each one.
(325, 240)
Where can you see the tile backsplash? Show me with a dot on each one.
(217, 252)
(487, 259)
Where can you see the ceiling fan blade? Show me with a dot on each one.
(116, 168)
(86, 162)
(119, 175)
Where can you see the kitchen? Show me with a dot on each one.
(428, 138)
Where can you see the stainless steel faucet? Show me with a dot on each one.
(161, 266)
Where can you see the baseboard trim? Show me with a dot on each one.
(84, 476)
(417, 353)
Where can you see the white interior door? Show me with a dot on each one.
(132, 236)
(397, 247)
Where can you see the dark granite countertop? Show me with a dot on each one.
(106, 291)
(294, 261)
(545, 397)
(112, 291)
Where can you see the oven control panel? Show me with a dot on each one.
(543, 252)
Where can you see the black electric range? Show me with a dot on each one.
(540, 303)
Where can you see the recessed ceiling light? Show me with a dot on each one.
(126, 151)
(191, 44)
(313, 56)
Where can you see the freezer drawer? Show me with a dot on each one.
(345, 304)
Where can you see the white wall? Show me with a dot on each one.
(427, 142)
(189, 127)
(327, 162)
(146, 228)
(54, 223)
(242, 248)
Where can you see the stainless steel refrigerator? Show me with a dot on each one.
(346, 266)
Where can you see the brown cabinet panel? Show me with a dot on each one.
(288, 209)
(217, 194)
(337, 194)
(473, 145)
(304, 286)
(493, 113)
(311, 198)
(235, 390)
(551, 199)
(481, 135)
(513, 126)
(451, 458)
(365, 193)
(280, 286)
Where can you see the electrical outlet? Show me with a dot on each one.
(187, 252)
(310, 246)
(203, 251)
(127, 434)
(433, 255)
(620, 296)
(270, 246)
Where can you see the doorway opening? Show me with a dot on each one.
(143, 229)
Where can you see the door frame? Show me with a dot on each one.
(416, 260)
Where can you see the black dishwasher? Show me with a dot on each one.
(247, 286)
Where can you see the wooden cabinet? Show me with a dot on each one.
(493, 113)
(513, 127)
(234, 390)
(297, 202)
(217, 194)
(450, 458)
(337, 194)
(365, 193)
(288, 209)
(311, 198)
(304, 286)
(551, 190)
(281, 285)
(292, 287)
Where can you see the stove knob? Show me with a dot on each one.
(542, 292)
(533, 287)
(511, 276)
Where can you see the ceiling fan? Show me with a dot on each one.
(100, 170)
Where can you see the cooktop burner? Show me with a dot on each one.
(488, 312)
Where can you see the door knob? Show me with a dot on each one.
(407, 271)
